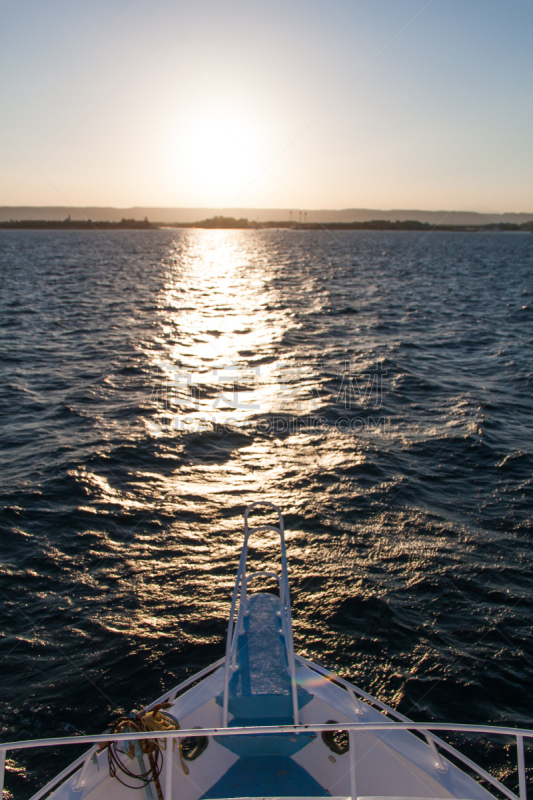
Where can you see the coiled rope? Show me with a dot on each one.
(153, 720)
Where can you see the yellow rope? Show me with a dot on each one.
(156, 721)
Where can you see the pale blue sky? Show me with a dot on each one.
(285, 103)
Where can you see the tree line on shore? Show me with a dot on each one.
(76, 224)
(225, 223)
(375, 224)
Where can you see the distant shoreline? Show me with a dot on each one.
(258, 216)
(230, 223)
(77, 224)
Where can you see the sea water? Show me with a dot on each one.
(376, 385)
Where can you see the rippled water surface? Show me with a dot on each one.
(377, 386)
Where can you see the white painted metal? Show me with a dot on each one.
(62, 775)
(80, 783)
(243, 605)
(521, 766)
(358, 707)
(361, 726)
(353, 779)
(169, 696)
(169, 768)
(367, 727)
(2, 769)
(431, 740)
(239, 592)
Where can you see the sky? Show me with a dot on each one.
(421, 104)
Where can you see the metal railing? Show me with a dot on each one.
(239, 593)
(433, 741)
(235, 628)
(84, 759)
(351, 727)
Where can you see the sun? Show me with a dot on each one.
(220, 153)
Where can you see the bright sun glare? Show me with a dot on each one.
(222, 153)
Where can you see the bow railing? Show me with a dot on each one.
(100, 740)
(240, 594)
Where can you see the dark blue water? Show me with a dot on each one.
(377, 386)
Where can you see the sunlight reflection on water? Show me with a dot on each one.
(222, 322)
(405, 540)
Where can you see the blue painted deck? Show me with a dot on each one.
(261, 686)
(266, 777)
(260, 694)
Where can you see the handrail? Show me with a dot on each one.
(262, 574)
(365, 727)
(243, 730)
(244, 598)
(170, 695)
(240, 592)
(441, 766)
(432, 740)
(239, 625)
(234, 628)
(521, 767)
